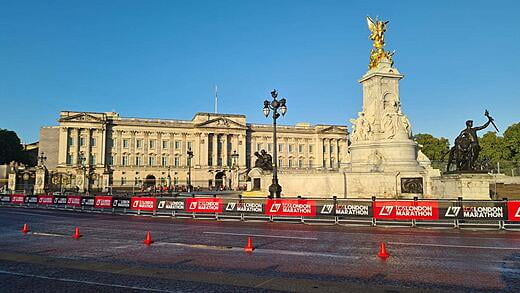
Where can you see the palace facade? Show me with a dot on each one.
(94, 151)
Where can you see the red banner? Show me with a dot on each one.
(290, 207)
(74, 200)
(45, 199)
(513, 210)
(204, 205)
(102, 202)
(143, 203)
(17, 198)
(406, 210)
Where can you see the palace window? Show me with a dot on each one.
(311, 148)
(93, 141)
(300, 148)
(190, 145)
(177, 161)
(280, 163)
(70, 141)
(291, 146)
(93, 159)
(300, 163)
(123, 180)
(151, 161)
(138, 160)
(269, 147)
(70, 159)
(152, 144)
(125, 161)
(290, 163)
(311, 163)
(177, 144)
(125, 143)
(280, 147)
(138, 143)
(111, 160)
(164, 161)
(81, 141)
(164, 144)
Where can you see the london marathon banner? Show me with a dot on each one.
(102, 202)
(143, 203)
(482, 210)
(17, 198)
(5, 198)
(513, 210)
(170, 204)
(344, 208)
(45, 199)
(123, 203)
(60, 200)
(206, 205)
(87, 201)
(406, 210)
(242, 206)
(31, 199)
(290, 207)
(74, 200)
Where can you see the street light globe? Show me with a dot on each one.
(266, 111)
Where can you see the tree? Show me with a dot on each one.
(512, 141)
(10, 147)
(493, 147)
(434, 148)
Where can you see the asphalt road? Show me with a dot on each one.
(208, 256)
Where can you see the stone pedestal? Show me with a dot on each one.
(11, 183)
(466, 185)
(39, 186)
(384, 159)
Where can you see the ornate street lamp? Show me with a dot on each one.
(41, 159)
(275, 189)
(234, 159)
(190, 155)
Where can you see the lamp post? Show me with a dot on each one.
(275, 189)
(190, 155)
(81, 160)
(42, 158)
(169, 179)
(234, 159)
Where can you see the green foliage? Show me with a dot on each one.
(512, 141)
(434, 148)
(493, 147)
(10, 147)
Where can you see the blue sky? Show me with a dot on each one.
(162, 59)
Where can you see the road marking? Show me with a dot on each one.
(82, 281)
(261, 235)
(454, 246)
(47, 234)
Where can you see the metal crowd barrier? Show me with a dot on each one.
(313, 211)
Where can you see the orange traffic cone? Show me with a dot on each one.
(249, 247)
(76, 235)
(25, 228)
(382, 252)
(148, 239)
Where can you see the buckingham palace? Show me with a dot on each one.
(102, 151)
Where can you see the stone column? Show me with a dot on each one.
(214, 153)
(102, 145)
(242, 150)
(88, 137)
(63, 148)
(76, 146)
(225, 150)
(319, 152)
(204, 150)
(196, 150)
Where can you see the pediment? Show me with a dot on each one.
(221, 122)
(81, 117)
(333, 129)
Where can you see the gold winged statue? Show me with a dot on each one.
(377, 35)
